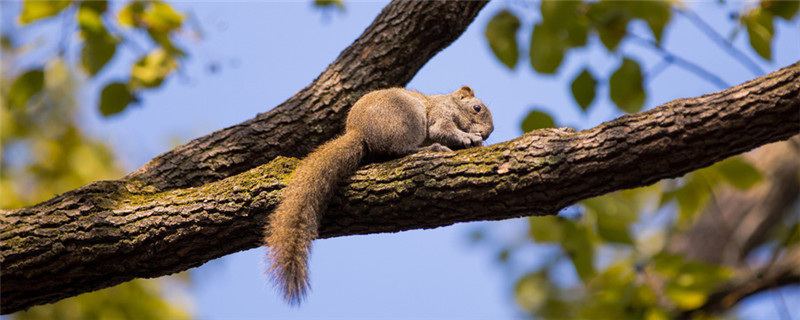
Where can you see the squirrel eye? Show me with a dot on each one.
(477, 108)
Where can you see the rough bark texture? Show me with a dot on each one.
(404, 36)
(109, 232)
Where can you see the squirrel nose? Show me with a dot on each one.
(486, 132)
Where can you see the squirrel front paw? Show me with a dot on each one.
(471, 139)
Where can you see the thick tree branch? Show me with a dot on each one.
(404, 36)
(109, 232)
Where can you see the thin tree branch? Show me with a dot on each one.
(750, 283)
(680, 62)
(109, 232)
(721, 41)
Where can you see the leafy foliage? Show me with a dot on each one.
(138, 299)
(567, 25)
(623, 268)
(36, 10)
(45, 152)
(642, 282)
(99, 44)
(25, 87)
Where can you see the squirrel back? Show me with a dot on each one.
(391, 122)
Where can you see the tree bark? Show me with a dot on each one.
(109, 232)
(401, 39)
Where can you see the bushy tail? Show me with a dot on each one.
(295, 222)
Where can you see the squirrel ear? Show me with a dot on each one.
(465, 92)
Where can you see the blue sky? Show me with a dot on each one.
(267, 51)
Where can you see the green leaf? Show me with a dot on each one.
(566, 17)
(33, 10)
(531, 291)
(656, 13)
(501, 32)
(162, 18)
(558, 12)
(738, 172)
(583, 89)
(546, 229)
(26, 86)
(151, 70)
(686, 298)
(99, 46)
(625, 86)
(785, 9)
(690, 283)
(655, 313)
(97, 52)
(537, 120)
(114, 98)
(579, 248)
(96, 5)
(547, 49)
(329, 3)
(90, 22)
(760, 31)
(131, 15)
(691, 197)
(614, 214)
(611, 22)
(613, 286)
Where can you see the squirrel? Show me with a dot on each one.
(389, 122)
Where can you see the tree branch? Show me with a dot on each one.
(722, 42)
(109, 232)
(401, 39)
(784, 271)
(740, 220)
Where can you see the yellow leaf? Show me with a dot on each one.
(151, 70)
(687, 299)
(90, 22)
(162, 18)
(34, 10)
(131, 14)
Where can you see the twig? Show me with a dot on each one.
(725, 44)
(681, 62)
(780, 304)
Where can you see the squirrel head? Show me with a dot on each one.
(476, 116)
